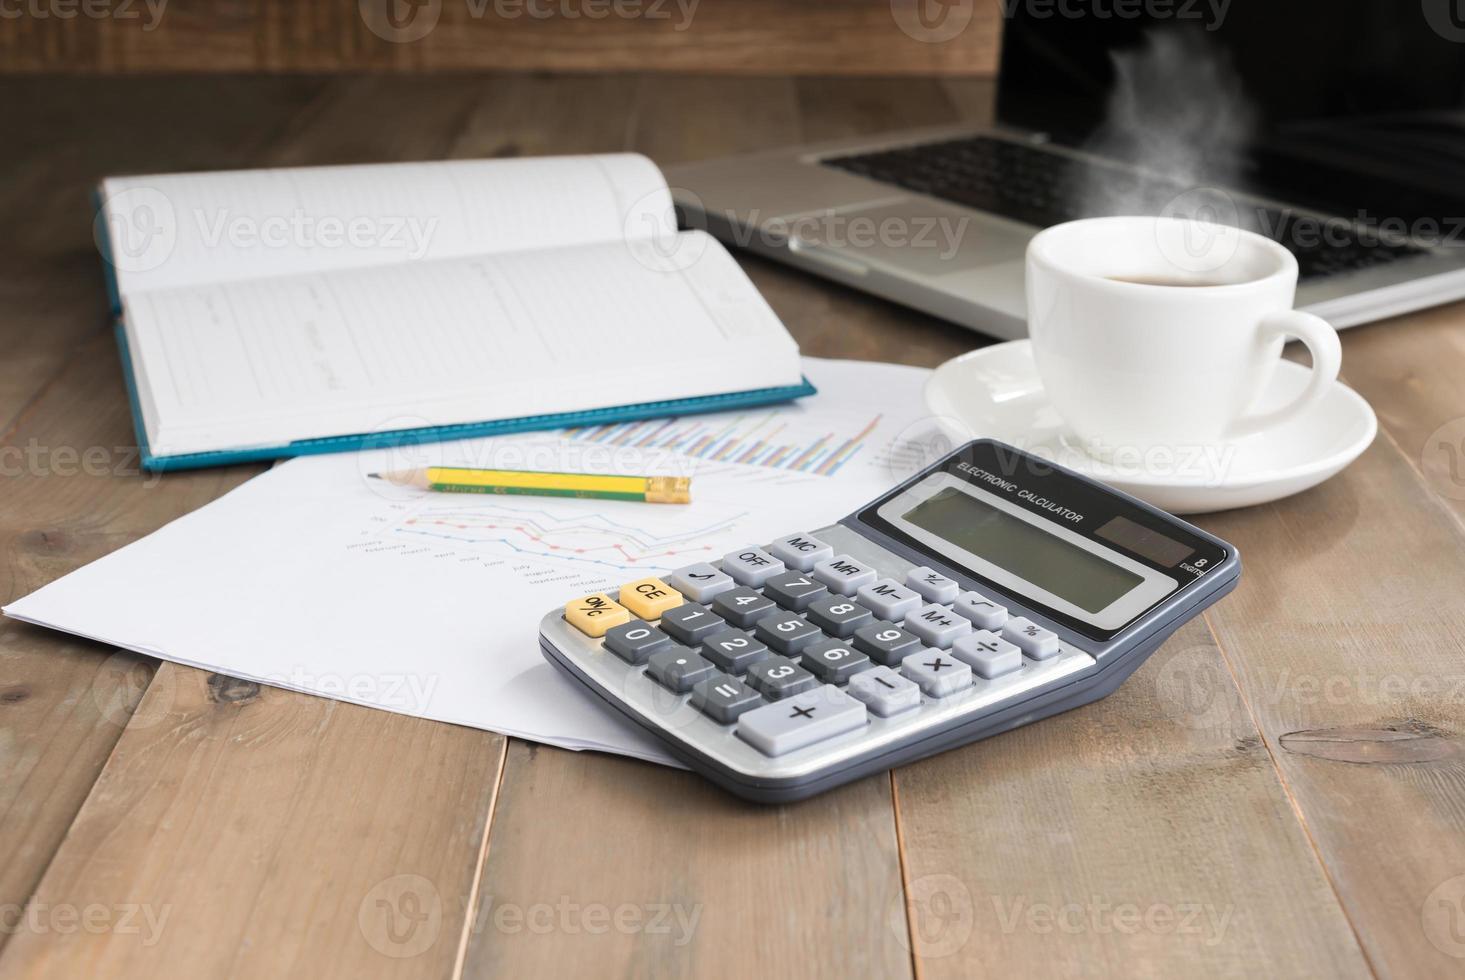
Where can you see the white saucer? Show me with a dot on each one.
(995, 393)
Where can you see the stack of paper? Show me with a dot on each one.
(314, 578)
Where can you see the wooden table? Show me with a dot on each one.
(1280, 791)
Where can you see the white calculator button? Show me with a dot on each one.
(801, 720)
(1036, 642)
(700, 582)
(983, 612)
(932, 585)
(937, 672)
(751, 566)
(937, 626)
(800, 551)
(888, 599)
(844, 575)
(988, 654)
(884, 691)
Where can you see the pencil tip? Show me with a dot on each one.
(373, 476)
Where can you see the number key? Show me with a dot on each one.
(780, 677)
(635, 641)
(733, 650)
(786, 632)
(839, 616)
(742, 606)
(834, 662)
(691, 623)
(794, 590)
(887, 643)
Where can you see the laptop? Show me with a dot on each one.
(1333, 126)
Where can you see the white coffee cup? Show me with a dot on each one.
(1162, 332)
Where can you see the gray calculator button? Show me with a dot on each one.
(937, 672)
(843, 574)
(700, 582)
(691, 623)
(937, 626)
(888, 599)
(678, 668)
(794, 590)
(988, 654)
(780, 677)
(932, 585)
(1036, 642)
(635, 641)
(884, 691)
(742, 606)
(733, 650)
(838, 616)
(801, 721)
(800, 551)
(983, 612)
(887, 643)
(723, 698)
(751, 566)
(786, 632)
(834, 661)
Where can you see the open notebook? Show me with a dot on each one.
(281, 312)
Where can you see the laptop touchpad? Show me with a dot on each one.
(914, 234)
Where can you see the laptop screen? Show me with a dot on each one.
(1294, 98)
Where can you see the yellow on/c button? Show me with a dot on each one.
(648, 598)
(595, 613)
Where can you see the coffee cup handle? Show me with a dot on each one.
(1321, 341)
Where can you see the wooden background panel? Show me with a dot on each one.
(800, 37)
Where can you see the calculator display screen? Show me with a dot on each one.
(1026, 550)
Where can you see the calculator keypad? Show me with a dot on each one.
(796, 643)
(734, 650)
(786, 632)
(751, 566)
(691, 623)
(937, 626)
(701, 582)
(779, 677)
(839, 616)
(794, 590)
(834, 661)
(743, 606)
(810, 717)
(636, 641)
(800, 551)
(844, 575)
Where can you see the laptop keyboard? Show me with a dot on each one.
(1042, 188)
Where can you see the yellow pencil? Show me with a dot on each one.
(455, 479)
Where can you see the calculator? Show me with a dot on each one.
(991, 590)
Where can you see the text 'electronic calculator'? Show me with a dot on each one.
(991, 590)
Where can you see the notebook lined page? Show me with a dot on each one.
(173, 230)
(455, 340)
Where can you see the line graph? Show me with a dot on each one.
(570, 538)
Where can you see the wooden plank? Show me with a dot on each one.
(1145, 835)
(844, 37)
(1409, 369)
(191, 736)
(609, 867)
(250, 831)
(1346, 636)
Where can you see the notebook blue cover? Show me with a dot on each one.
(439, 433)
(401, 437)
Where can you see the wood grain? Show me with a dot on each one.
(1145, 835)
(1347, 629)
(840, 37)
